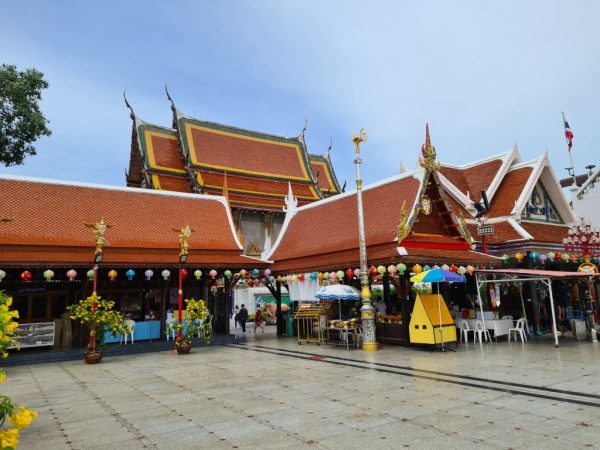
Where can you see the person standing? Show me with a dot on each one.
(236, 315)
(258, 321)
(243, 317)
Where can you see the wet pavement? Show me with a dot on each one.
(273, 393)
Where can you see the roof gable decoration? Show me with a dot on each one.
(542, 173)
(540, 208)
(290, 209)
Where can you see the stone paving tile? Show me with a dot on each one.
(100, 431)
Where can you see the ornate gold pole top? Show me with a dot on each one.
(184, 234)
(362, 137)
(99, 228)
(427, 160)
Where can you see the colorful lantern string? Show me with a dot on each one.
(320, 276)
(112, 275)
(326, 275)
(130, 274)
(165, 274)
(300, 277)
(149, 274)
(454, 268)
(349, 273)
(228, 273)
(519, 257)
(533, 256)
(551, 255)
(340, 274)
(26, 276)
(90, 274)
(381, 270)
(333, 276)
(392, 269)
(213, 273)
(48, 274)
(197, 274)
(505, 258)
(460, 270)
(279, 278)
(255, 272)
(294, 278)
(243, 273)
(373, 271)
(71, 274)
(445, 267)
(566, 257)
(542, 258)
(417, 268)
(401, 268)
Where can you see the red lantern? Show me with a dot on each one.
(350, 273)
(184, 274)
(26, 276)
(558, 256)
(453, 268)
(300, 277)
(373, 271)
(250, 283)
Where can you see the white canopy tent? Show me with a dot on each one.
(524, 275)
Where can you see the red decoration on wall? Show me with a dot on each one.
(26, 276)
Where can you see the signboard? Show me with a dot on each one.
(483, 230)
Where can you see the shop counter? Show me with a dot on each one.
(389, 333)
(149, 329)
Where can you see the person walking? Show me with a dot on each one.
(258, 322)
(243, 317)
(236, 315)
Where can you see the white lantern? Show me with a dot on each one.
(48, 274)
(2, 274)
(149, 273)
(197, 274)
(166, 274)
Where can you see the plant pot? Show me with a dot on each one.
(183, 349)
(93, 357)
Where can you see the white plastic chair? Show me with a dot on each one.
(507, 318)
(465, 329)
(170, 327)
(480, 332)
(129, 325)
(519, 329)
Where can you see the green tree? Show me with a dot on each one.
(21, 121)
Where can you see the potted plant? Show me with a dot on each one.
(98, 315)
(194, 323)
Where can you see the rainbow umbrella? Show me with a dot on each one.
(437, 276)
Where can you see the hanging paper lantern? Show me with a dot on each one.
(557, 256)
(2, 275)
(349, 273)
(300, 277)
(213, 274)
(542, 258)
(401, 268)
(289, 279)
(184, 274)
(242, 273)
(426, 268)
(48, 274)
(566, 257)
(130, 274)
(445, 267)
(340, 274)
(278, 278)
(26, 276)
(112, 275)
(320, 276)
(267, 272)
(461, 270)
(248, 275)
(392, 269)
(381, 270)
(326, 275)
(435, 267)
(149, 274)
(551, 255)
(228, 273)
(470, 269)
(519, 257)
(332, 276)
(453, 268)
(71, 274)
(166, 274)
(505, 258)
(255, 272)
(294, 278)
(250, 283)
(90, 274)
(198, 274)
(533, 256)
(357, 273)
(313, 275)
(373, 271)
(271, 279)
(574, 258)
(417, 268)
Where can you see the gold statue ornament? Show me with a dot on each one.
(403, 229)
(427, 160)
(99, 228)
(184, 239)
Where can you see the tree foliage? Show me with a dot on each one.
(21, 120)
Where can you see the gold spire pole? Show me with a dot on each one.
(367, 311)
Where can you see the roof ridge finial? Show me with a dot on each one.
(173, 107)
(131, 114)
(329, 148)
(427, 160)
(291, 202)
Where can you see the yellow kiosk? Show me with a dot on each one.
(431, 321)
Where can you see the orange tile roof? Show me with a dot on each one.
(160, 149)
(473, 179)
(52, 214)
(509, 192)
(323, 172)
(542, 232)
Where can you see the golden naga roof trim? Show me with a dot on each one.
(403, 226)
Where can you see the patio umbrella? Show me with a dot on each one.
(438, 276)
(338, 292)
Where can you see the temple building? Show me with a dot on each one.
(252, 170)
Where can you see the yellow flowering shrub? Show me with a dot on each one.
(196, 312)
(98, 314)
(19, 417)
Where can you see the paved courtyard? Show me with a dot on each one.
(270, 393)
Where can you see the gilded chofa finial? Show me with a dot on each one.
(428, 154)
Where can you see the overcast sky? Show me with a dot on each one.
(483, 74)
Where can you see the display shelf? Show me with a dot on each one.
(34, 335)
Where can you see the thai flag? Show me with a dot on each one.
(568, 133)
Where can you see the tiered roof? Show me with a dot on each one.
(195, 155)
(49, 216)
(433, 234)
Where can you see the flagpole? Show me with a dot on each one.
(569, 150)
